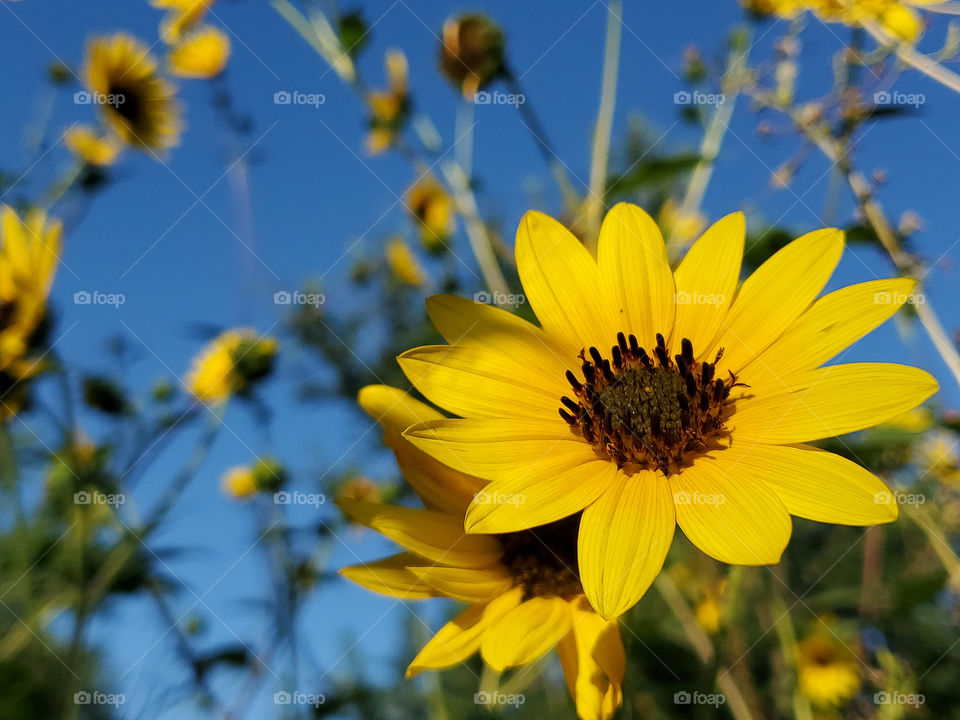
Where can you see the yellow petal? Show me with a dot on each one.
(434, 535)
(833, 323)
(477, 381)
(706, 282)
(390, 576)
(593, 663)
(525, 633)
(547, 492)
(393, 408)
(831, 401)
(815, 484)
(468, 584)
(636, 273)
(624, 539)
(775, 295)
(727, 514)
(460, 638)
(562, 284)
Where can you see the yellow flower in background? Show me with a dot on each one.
(471, 54)
(90, 147)
(230, 364)
(360, 488)
(135, 100)
(432, 209)
(522, 590)
(939, 454)
(651, 398)
(709, 610)
(389, 107)
(404, 266)
(679, 226)
(238, 483)
(181, 16)
(827, 670)
(201, 54)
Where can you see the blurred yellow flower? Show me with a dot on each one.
(678, 226)
(201, 54)
(940, 457)
(403, 264)
(827, 670)
(360, 488)
(709, 610)
(238, 483)
(29, 254)
(649, 399)
(916, 420)
(389, 107)
(472, 52)
(229, 364)
(432, 209)
(89, 147)
(523, 594)
(135, 100)
(181, 16)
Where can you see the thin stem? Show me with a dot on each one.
(918, 61)
(600, 157)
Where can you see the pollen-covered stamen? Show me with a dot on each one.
(543, 560)
(646, 408)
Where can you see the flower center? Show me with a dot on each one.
(543, 560)
(647, 409)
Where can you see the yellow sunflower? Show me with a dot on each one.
(238, 483)
(136, 101)
(650, 398)
(432, 209)
(29, 253)
(230, 364)
(201, 54)
(524, 597)
(827, 670)
(403, 264)
(181, 16)
(90, 147)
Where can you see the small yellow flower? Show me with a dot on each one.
(432, 209)
(134, 99)
(230, 364)
(522, 591)
(181, 16)
(360, 488)
(389, 107)
(827, 670)
(678, 226)
(89, 147)
(403, 263)
(238, 483)
(709, 610)
(201, 54)
(940, 457)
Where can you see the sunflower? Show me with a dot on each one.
(524, 597)
(181, 16)
(432, 210)
(238, 483)
(29, 253)
(827, 670)
(137, 103)
(230, 364)
(650, 398)
(201, 54)
(403, 264)
(90, 147)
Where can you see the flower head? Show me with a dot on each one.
(238, 483)
(134, 99)
(203, 53)
(181, 16)
(432, 209)
(650, 398)
(90, 147)
(389, 107)
(827, 670)
(524, 597)
(231, 363)
(472, 52)
(404, 266)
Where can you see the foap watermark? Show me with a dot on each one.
(899, 498)
(683, 97)
(914, 700)
(295, 97)
(298, 698)
(499, 298)
(95, 697)
(894, 97)
(499, 98)
(498, 498)
(299, 498)
(685, 497)
(283, 297)
(700, 298)
(887, 297)
(82, 97)
(497, 698)
(685, 697)
(96, 497)
(95, 297)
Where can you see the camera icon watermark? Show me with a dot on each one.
(684, 297)
(284, 297)
(96, 497)
(498, 498)
(299, 498)
(684, 97)
(114, 100)
(887, 297)
(95, 697)
(685, 497)
(499, 299)
(884, 97)
(685, 697)
(499, 98)
(899, 498)
(914, 700)
(95, 297)
(499, 699)
(295, 97)
(298, 698)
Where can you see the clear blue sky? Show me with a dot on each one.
(179, 263)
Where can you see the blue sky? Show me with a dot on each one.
(170, 238)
